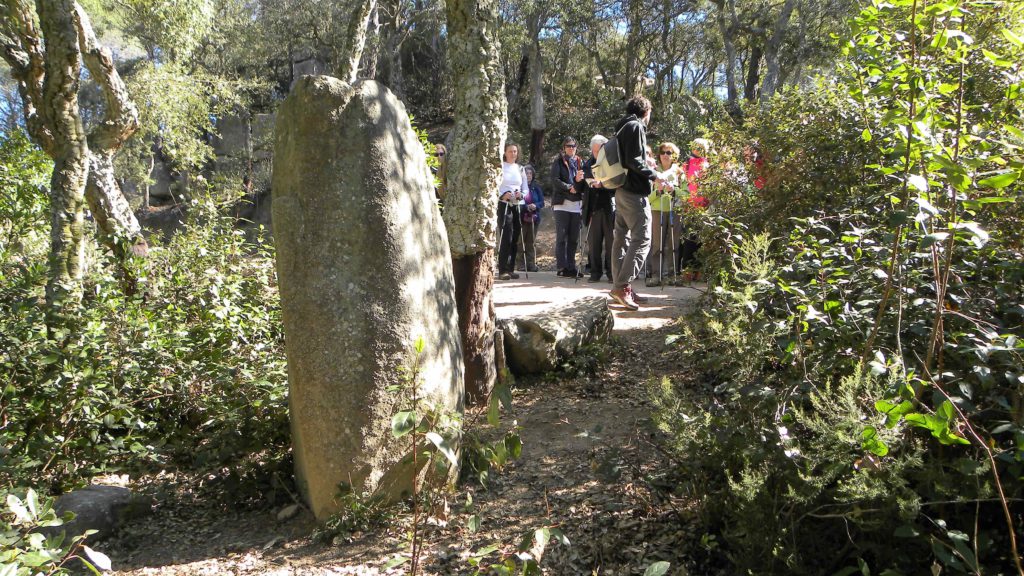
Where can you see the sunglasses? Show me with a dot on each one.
(663, 152)
(440, 153)
(570, 145)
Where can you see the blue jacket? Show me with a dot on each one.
(536, 197)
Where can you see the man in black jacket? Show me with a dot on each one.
(632, 208)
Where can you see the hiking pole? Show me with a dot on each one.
(501, 231)
(579, 240)
(675, 246)
(661, 249)
(522, 238)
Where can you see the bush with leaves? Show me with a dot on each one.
(25, 550)
(189, 371)
(865, 363)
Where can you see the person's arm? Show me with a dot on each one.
(556, 176)
(538, 196)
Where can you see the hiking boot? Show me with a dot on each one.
(560, 273)
(622, 296)
(634, 296)
(513, 275)
(593, 279)
(504, 276)
(533, 269)
(573, 274)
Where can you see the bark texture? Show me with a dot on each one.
(726, 18)
(118, 226)
(83, 165)
(538, 122)
(59, 107)
(771, 53)
(348, 68)
(474, 173)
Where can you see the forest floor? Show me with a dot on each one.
(592, 466)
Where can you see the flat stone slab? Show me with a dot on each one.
(544, 290)
(539, 342)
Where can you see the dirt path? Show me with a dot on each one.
(588, 467)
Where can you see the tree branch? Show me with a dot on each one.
(23, 51)
(121, 117)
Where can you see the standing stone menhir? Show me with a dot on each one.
(364, 269)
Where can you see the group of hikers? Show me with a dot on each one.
(634, 231)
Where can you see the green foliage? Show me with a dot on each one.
(358, 513)
(24, 182)
(892, 201)
(25, 551)
(523, 559)
(191, 370)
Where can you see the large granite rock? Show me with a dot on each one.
(540, 342)
(364, 269)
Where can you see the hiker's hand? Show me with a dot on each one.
(531, 207)
(579, 175)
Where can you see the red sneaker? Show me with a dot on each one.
(623, 297)
(635, 297)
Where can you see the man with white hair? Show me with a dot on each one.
(599, 216)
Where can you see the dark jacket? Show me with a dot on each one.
(632, 136)
(563, 180)
(595, 199)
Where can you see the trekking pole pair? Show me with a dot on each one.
(522, 237)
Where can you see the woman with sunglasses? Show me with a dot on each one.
(567, 206)
(665, 224)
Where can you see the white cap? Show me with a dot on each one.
(598, 139)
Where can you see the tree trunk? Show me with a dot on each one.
(355, 41)
(753, 73)
(119, 229)
(633, 83)
(726, 11)
(771, 53)
(474, 173)
(538, 121)
(70, 153)
(474, 287)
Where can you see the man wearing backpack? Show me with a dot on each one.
(632, 208)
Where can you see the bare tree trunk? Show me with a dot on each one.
(753, 73)
(633, 83)
(538, 121)
(474, 173)
(771, 76)
(726, 14)
(348, 67)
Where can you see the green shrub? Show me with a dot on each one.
(862, 337)
(25, 551)
(189, 371)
